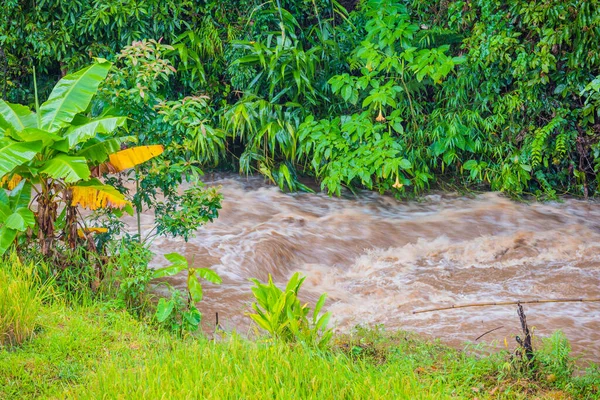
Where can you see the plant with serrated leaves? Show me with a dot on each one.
(280, 313)
(180, 313)
(57, 152)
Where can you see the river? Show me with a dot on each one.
(379, 259)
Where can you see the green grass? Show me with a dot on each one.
(21, 297)
(98, 353)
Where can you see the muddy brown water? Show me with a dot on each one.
(378, 259)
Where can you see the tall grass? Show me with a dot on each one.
(21, 301)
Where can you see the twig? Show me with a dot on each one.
(506, 303)
(490, 331)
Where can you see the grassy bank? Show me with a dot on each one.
(94, 352)
(54, 345)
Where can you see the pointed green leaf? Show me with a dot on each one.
(261, 322)
(97, 150)
(16, 116)
(209, 275)
(320, 303)
(13, 154)
(195, 288)
(167, 271)
(177, 259)
(178, 264)
(70, 169)
(72, 95)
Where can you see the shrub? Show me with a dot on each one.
(281, 314)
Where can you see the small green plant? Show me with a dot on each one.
(130, 266)
(21, 296)
(180, 313)
(281, 314)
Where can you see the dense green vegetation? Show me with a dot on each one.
(388, 95)
(90, 349)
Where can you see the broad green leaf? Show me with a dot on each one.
(20, 220)
(177, 258)
(164, 308)
(16, 116)
(81, 133)
(193, 317)
(15, 221)
(35, 134)
(404, 164)
(5, 210)
(195, 288)
(72, 95)
(469, 165)
(70, 169)
(28, 216)
(13, 154)
(7, 236)
(97, 150)
(209, 275)
(20, 196)
(167, 271)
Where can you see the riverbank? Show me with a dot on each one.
(97, 352)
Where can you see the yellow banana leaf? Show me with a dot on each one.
(82, 233)
(133, 156)
(96, 195)
(12, 182)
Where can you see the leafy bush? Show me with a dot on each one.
(280, 313)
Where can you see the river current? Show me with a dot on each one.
(379, 259)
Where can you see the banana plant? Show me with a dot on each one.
(58, 152)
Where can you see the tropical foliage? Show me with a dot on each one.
(53, 152)
(379, 94)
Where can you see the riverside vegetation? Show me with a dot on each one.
(140, 97)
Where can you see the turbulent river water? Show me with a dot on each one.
(378, 259)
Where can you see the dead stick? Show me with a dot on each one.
(490, 331)
(508, 303)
